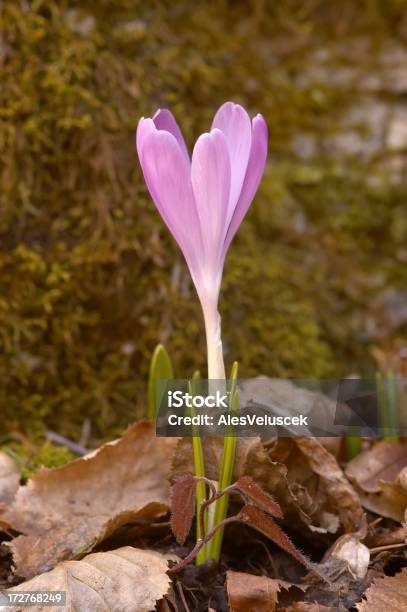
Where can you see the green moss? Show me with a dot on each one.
(90, 281)
(42, 455)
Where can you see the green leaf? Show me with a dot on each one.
(199, 464)
(226, 468)
(388, 409)
(160, 369)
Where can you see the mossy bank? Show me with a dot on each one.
(90, 280)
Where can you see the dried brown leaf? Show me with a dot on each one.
(64, 512)
(183, 494)
(387, 594)
(251, 460)
(323, 498)
(257, 495)
(9, 480)
(402, 478)
(303, 606)
(256, 518)
(341, 497)
(384, 536)
(381, 463)
(169, 602)
(302, 476)
(125, 579)
(375, 475)
(249, 593)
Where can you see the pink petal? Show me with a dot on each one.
(144, 127)
(167, 175)
(234, 122)
(165, 120)
(210, 175)
(255, 169)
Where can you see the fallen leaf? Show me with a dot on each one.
(64, 512)
(383, 462)
(315, 492)
(249, 593)
(387, 594)
(402, 478)
(383, 536)
(320, 486)
(169, 602)
(183, 495)
(375, 475)
(251, 460)
(256, 518)
(306, 480)
(125, 580)
(279, 395)
(303, 606)
(9, 480)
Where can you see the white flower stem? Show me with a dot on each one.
(216, 371)
(216, 366)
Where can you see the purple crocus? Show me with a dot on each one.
(203, 201)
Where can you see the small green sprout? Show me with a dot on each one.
(388, 404)
(160, 369)
(199, 464)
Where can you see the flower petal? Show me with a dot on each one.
(167, 176)
(255, 169)
(165, 120)
(144, 127)
(234, 122)
(210, 176)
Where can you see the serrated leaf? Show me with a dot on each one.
(183, 494)
(256, 494)
(256, 518)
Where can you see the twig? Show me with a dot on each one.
(20, 437)
(182, 596)
(85, 432)
(191, 556)
(375, 522)
(205, 503)
(387, 547)
(77, 449)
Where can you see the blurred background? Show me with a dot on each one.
(315, 283)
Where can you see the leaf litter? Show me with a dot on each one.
(125, 579)
(300, 540)
(63, 513)
(379, 478)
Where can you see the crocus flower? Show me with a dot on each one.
(203, 200)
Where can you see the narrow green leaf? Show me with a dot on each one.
(226, 469)
(392, 407)
(199, 464)
(386, 396)
(353, 446)
(160, 369)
